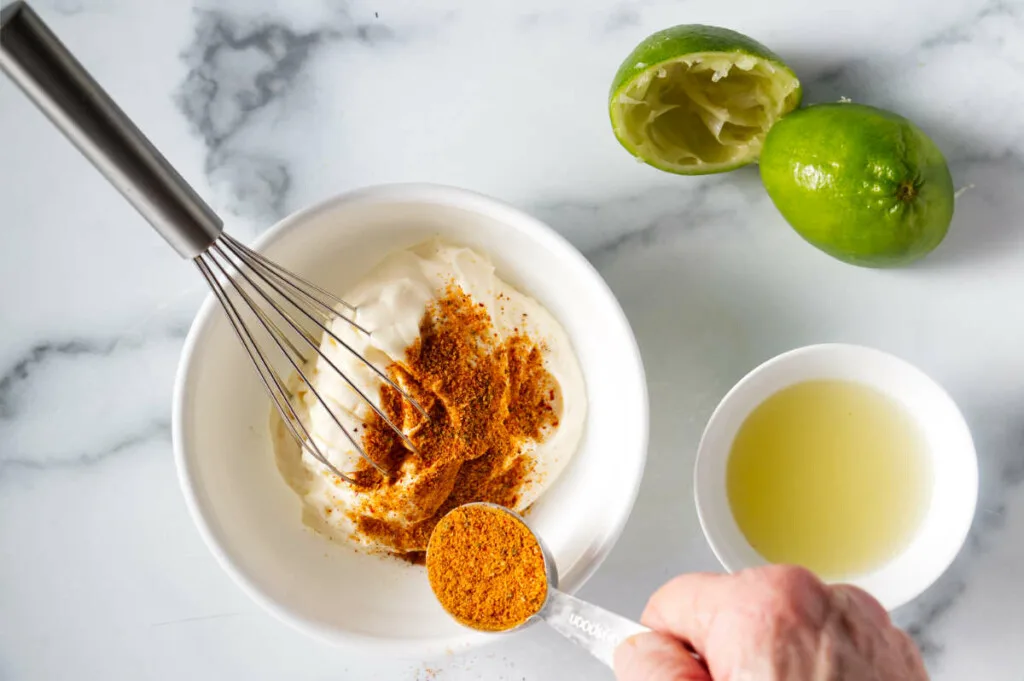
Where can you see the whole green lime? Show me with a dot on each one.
(862, 184)
(697, 99)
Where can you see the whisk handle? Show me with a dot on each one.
(36, 60)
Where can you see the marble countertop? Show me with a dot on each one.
(266, 106)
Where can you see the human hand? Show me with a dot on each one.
(774, 623)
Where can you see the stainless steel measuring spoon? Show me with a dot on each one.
(596, 630)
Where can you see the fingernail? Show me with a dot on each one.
(628, 650)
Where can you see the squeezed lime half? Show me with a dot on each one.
(697, 99)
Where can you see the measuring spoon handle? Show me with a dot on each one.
(592, 628)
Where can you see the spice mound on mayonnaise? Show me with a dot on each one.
(495, 372)
(486, 568)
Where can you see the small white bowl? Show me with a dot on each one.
(954, 465)
(250, 518)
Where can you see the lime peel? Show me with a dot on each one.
(863, 184)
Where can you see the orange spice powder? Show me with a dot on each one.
(486, 568)
(486, 398)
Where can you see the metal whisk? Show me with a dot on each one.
(262, 300)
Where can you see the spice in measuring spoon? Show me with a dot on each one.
(486, 568)
(490, 572)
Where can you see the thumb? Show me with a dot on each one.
(656, 657)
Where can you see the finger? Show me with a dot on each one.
(912, 657)
(685, 607)
(656, 657)
(850, 598)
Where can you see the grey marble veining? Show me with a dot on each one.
(267, 106)
(240, 70)
(105, 426)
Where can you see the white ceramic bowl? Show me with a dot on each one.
(250, 518)
(954, 465)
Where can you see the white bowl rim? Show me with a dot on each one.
(940, 562)
(420, 191)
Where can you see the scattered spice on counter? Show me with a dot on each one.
(486, 568)
(486, 399)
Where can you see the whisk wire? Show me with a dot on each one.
(327, 311)
(274, 386)
(316, 348)
(332, 299)
(269, 325)
(271, 328)
(326, 330)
